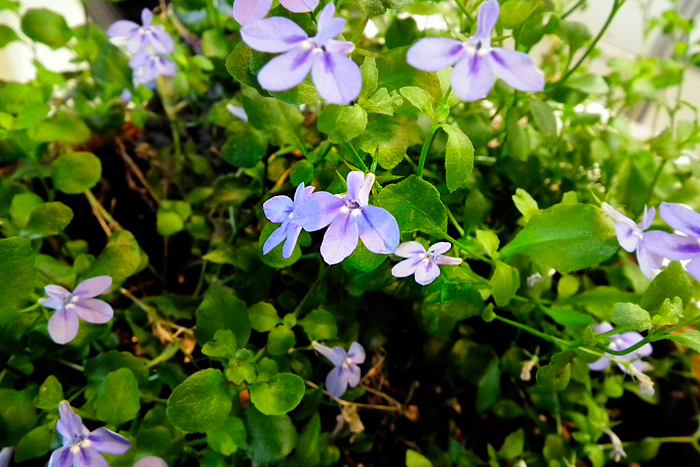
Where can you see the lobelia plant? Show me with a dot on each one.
(253, 182)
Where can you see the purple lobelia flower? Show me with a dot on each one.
(633, 239)
(336, 77)
(424, 264)
(151, 461)
(350, 218)
(6, 456)
(147, 66)
(237, 111)
(82, 448)
(678, 247)
(620, 342)
(247, 11)
(143, 37)
(346, 372)
(282, 209)
(69, 306)
(476, 61)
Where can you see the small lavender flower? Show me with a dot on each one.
(69, 306)
(6, 456)
(350, 218)
(151, 461)
(247, 11)
(424, 264)
(282, 209)
(82, 448)
(140, 38)
(125, 97)
(237, 111)
(632, 238)
(678, 247)
(346, 372)
(147, 66)
(336, 77)
(620, 342)
(476, 61)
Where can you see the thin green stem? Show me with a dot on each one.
(468, 249)
(424, 150)
(534, 332)
(454, 222)
(575, 7)
(657, 175)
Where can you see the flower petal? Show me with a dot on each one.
(337, 78)
(602, 328)
(406, 267)
(69, 425)
(427, 272)
(146, 17)
(6, 456)
(353, 375)
(273, 35)
(160, 40)
(94, 311)
(648, 261)
(486, 19)
(318, 210)
(337, 382)
(354, 182)
(56, 291)
(356, 353)
(434, 53)
(151, 461)
(237, 112)
(627, 236)
(108, 442)
(278, 208)
(472, 78)
(61, 457)
(616, 215)
(336, 355)
(328, 25)
(599, 365)
(247, 11)
(293, 232)
(340, 240)
(339, 47)
(671, 246)
(63, 326)
(517, 69)
(286, 71)
(439, 248)
(51, 302)
(299, 6)
(89, 457)
(93, 287)
(122, 28)
(447, 260)
(378, 230)
(693, 268)
(681, 218)
(276, 237)
(647, 218)
(409, 249)
(301, 192)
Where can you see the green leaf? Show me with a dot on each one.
(308, 452)
(214, 44)
(515, 12)
(279, 120)
(669, 314)
(381, 102)
(280, 340)
(589, 84)
(238, 65)
(555, 376)
(302, 172)
(416, 459)
(516, 137)
(459, 157)
(45, 26)
(544, 117)
(421, 99)
(489, 388)
(7, 35)
(118, 398)
(279, 395)
(369, 76)
(363, 260)
(690, 339)
(401, 32)
(416, 205)
(47, 220)
(228, 437)
(569, 318)
(575, 34)
(245, 146)
(525, 204)
(22, 206)
(76, 172)
(670, 283)
(552, 239)
(457, 299)
(17, 272)
(489, 240)
(172, 216)
(50, 394)
(513, 446)
(67, 128)
(395, 73)
(504, 282)
(224, 345)
(36, 443)
(270, 437)
(97, 369)
(201, 403)
(343, 123)
(121, 258)
(320, 325)
(220, 310)
(631, 317)
(17, 415)
(274, 258)
(263, 317)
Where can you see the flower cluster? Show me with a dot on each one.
(81, 303)
(653, 247)
(148, 46)
(346, 372)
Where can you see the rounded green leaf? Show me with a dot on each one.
(76, 172)
(320, 325)
(280, 340)
(270, 437)
(459, 157)
(118, 398)
(45, 26)
(416, 205)
(279, 395)
(47, 220)
(263, 317)
(17, 272)
(201, 403)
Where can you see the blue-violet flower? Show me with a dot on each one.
(140, 38)
(678, 247)
(247, 11)
(282, 209)
(424, 264)
(346, 372)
